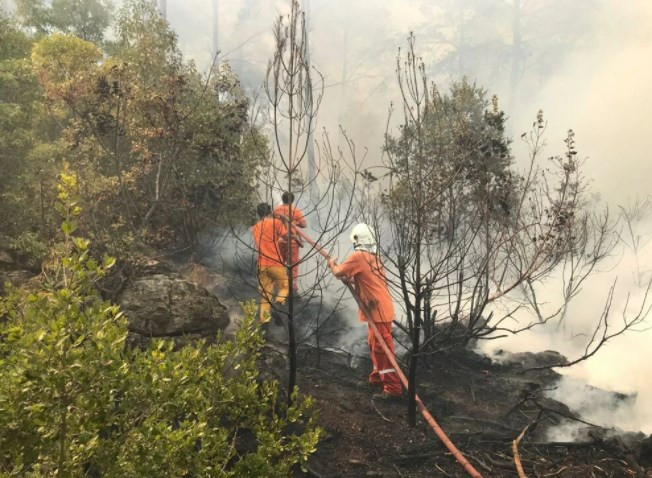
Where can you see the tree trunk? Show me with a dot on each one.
(292, 346)
(412, 369)
(412, 393)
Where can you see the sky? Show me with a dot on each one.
(598, 85)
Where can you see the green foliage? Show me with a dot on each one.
(24, 126)
(161, 152)
(75, 402)
(459, 152)
(87, 19)
(29, 248)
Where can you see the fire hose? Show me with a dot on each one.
(422, 408)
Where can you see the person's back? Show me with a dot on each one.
(269, 235)
(294, 214)
(368, 274)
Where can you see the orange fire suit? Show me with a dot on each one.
(268, 236)
(368, 275)
(299, 221)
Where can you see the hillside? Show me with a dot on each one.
(482, 406)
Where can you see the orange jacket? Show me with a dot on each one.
(370, 284)
(297, 216)
(269, 235)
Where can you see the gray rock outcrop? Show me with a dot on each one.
(167, 306)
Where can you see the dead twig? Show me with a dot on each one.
(402, 458)
(398, 471)
(556, 472)
(378, 412)
(481, 463)
(483, 421)
(505, 465)
(440, 469)
(517, 457)
(312, 472)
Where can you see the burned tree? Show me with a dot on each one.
(322, 187)
(467, 239)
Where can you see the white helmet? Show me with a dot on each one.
(363, 235)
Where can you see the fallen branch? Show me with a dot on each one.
(499, 464)
(482, 463)
(556, 472)
(402, 458)
(564, 444)
(440, 469)
(517, 457)
(565, 415)
(378, 412)
(313, 473)
(483, 421)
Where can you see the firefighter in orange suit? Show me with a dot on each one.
(295, 215)
(269, 237)
(367, 273)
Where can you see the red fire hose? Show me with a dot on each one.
(422, 408)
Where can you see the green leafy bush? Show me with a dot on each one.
(75, 402)
(29, 248)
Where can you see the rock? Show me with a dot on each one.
(645, 453)
(11, 272)
(5, 258)
(165, 305)
(15, 277)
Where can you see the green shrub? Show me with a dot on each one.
(75, 402)
(29, 247)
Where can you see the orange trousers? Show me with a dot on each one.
(383, 373)
(294, 259)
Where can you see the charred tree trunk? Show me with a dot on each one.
(292, 345)
(412, 380)
(414, 354)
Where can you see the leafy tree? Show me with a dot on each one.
(74, 401)
(27, 137)
(87, 19)
(467, 238)
(161, 152)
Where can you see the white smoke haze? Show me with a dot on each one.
(596, 406)
(624, 364)
(599, 87)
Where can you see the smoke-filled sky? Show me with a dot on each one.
(587, 64)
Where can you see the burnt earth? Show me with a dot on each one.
(482, 407)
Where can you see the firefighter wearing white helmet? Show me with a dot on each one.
(363, 238)
(364, 269)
